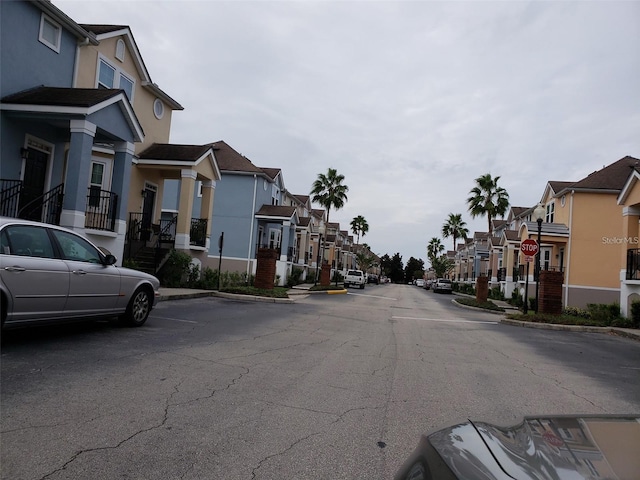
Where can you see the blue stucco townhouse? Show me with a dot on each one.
(50, 129)
(249, 209)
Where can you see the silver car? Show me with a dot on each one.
(49, 273)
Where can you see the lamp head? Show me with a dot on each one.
(538, 213)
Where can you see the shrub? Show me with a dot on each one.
(532, 303)
(604, 313)
(455, 287)
(337, 277)
(176, 270)
(576, 312)
(496, 294)
(130, 263)
(294, 278)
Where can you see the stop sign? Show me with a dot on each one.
(529, 247)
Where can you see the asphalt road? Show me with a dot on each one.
(332, 386)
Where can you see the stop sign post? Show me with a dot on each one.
(530, 248)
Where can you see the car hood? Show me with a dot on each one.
(557, 447)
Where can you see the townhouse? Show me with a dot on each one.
(52, 130)
(83, 127)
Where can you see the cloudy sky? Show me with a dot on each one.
(409, 100)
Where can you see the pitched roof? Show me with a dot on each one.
(304, 221)
(512, 235)
(517, 211)
(280, 211)
(611, 177)
(62, 97)
(166, 151)
(103, 32)
(301, 198)
(559, 186)
(271, 172)
(231, 161)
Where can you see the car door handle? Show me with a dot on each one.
(14, 269)
(79, 272)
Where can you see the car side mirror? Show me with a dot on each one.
(110, 259)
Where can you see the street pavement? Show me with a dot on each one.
(301, 291)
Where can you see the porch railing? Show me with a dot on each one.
(9, 197)
(198, 232)
(101, 212)
(633, 264)
(46, 208)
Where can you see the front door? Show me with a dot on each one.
(147, 212)
(35, 174)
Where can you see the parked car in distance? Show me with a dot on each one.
(442, 285)
(52, 274)
(561, 447)
(427, 284)
(420, 283)
(371, 278)
(354, 277)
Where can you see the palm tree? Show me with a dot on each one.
(488, 199)
(359, 226)
(455, 227)
(434, 249)
(329, 191)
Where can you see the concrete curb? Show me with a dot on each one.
(233, 296)
(337, 292)
(469, 307)
(574, 328)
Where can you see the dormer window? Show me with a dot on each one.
(50, 33)
(120, 50)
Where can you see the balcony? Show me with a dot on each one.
(633, 264)
(101, 210)
(198, 232)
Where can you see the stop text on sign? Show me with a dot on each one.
(529, 247)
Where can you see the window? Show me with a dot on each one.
(120, 50)
(111, 77)
(274, 239)
(158, 108)
(550, 212)
(76, 248)
(95, 183)
(275, 195)
(50, 33)
(26, 241)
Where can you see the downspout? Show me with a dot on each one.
(253, 214)
(81, 44)
(566, 279)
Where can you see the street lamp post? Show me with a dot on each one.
(538, 216)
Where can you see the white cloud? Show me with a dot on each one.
(411, 101)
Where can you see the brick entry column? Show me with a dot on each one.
(482, 289)
(266, 268)
(550, 293)
(325, 275)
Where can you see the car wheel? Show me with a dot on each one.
(139, 308)
(362, 287)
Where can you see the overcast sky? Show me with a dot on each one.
(410, 101)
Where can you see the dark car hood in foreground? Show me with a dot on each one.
(558, 447)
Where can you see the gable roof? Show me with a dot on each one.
(231, 161)
(75, 102)
(282, 212)
(102, 32)
(302, 198)
(271, 172)
(174, 155)
(609, 179)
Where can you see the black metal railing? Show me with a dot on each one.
(198, 232)
(633, 264)
(516, 274)
(46, 208)
(102, 210)
(490, 273)
(9, 197)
